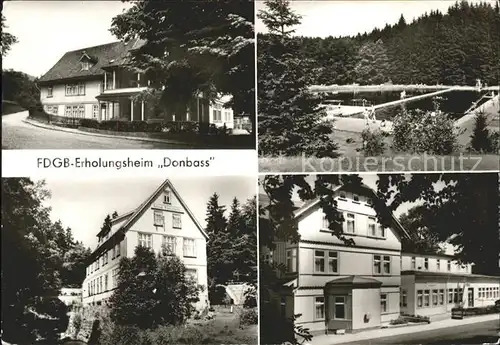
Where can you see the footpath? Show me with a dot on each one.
(332, 339)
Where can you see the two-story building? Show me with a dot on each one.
(99, 83)
(338, 286)
(431, 285)
(162, 222)
(335, 286)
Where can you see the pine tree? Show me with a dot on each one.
(290, 117)
(480, 138)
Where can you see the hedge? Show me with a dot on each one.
(476, 311)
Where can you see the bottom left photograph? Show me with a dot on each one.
(129, 260)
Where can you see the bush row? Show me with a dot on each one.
(405, 318)
(476, 311)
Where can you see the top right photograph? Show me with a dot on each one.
(375, 86)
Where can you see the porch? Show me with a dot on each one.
(123, 108)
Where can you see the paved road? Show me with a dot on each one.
(19, 135)
(476, 333)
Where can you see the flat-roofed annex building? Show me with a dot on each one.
(163, 219)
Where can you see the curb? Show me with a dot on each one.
(53, 128)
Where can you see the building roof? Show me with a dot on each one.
(447, 275)
(312, 203)
(354, 280)
(104, 55)
(124, 222)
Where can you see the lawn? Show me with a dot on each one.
(350, 160)
(225, 328)
(9, 107)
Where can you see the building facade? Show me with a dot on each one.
(335, 286)
(431, 285)
(161, 221)
(98, 83)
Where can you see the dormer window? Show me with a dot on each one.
(342, 195)
(86, 65)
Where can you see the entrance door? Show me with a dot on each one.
(470, 298)
(103, 112)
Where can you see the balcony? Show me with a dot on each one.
(120, 80)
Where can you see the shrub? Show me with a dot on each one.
(399, 321)
(476, 311)
(415, 318)
(494, 142)
(424, 132)
(249, 316)
(373, 143)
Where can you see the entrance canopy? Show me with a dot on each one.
(355, 282)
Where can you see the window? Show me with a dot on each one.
(319, 261)
(113, 253)
(159, 219)
(192, 274)
(404, 298)
(106, 258)
(166, 197)
(355, 197)
(426, 298)
(52, 109)
(382, 264)
(100, 284)
(350, 223)
(115, 277)
(95, 111)
(75, 89)
(49, 91)
(332, 262)
(381, 231)
(426, 263)
(342, 195)
(455, 295)
(438, 265)
(227, 116)
(176, 221)
(339, 310)
(145, 240)
(326, 223)
(450, 295)
(319, 304)
(449, 265)
(291, 260)
(372, 226)
(435, 297)
(217, 114)
(383, 303)
(106, 282)
(118, 249)
(97, 263)
(169, 244)
(189, 248)
(441, 296)
(86, 65)
(89, 292)
(413, 263)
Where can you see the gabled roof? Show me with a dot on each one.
(103, 55)
(143, 207)
(313, 203)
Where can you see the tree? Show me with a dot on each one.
(219, 246)
(291, 119)
(422, 239)
(192, 47)
(75, 265)
(30, 246)
(20, 88)
(373, 65)
(480, 138)
(147, 285)
(7, 39)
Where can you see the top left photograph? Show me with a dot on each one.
(128, 75)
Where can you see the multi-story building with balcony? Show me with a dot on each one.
(98, 83)
(353, 287)
(162, 222)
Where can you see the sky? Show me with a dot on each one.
(325, 18)
(48, 29)
(83, 203)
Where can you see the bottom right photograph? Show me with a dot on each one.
(379, 259)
